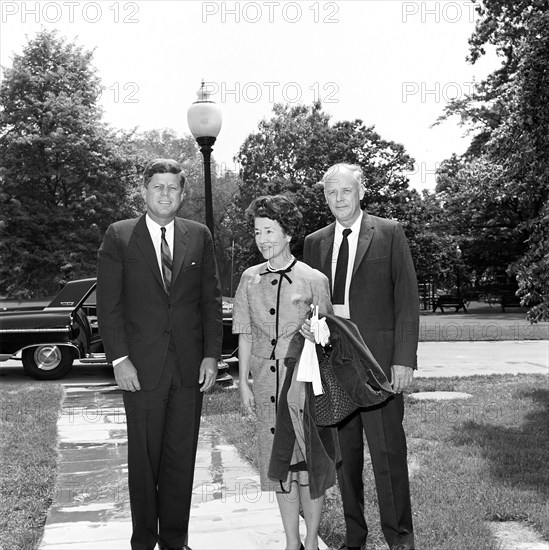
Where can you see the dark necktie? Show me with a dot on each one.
(338, 295)
(166, 261)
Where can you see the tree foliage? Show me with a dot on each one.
(483, 220)
(64, 174)
(504, 183)
(289, 154)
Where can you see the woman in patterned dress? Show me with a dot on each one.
(271, 303)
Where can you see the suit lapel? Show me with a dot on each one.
(145, 244)
(326, 248)
(364, 240)
(180, 245)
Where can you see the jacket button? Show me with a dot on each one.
(272, 311)
(169, 306)
(166, 332)
(272, 398)
(272, 430)
(272, 368)
(274, 282)
(273, 341)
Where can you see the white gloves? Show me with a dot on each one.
(308, 369)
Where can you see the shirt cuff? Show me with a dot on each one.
(119, 360)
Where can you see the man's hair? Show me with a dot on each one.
(163, 166)
(355, 169)
(278, 208)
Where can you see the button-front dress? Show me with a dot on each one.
(269, 308)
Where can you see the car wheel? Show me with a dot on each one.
(48, 362)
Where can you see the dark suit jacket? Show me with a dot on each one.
(136, 316)
(383, 296)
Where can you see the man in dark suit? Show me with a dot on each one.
(159, 311)
(374, 284)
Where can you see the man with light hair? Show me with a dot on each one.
(373, 283)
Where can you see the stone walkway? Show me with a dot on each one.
(91, 508)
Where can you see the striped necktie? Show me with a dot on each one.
(166, 261)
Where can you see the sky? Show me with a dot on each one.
(393, 64)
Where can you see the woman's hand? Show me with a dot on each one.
(305, 331)
(247, 398)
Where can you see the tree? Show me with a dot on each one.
(506, 181)
(521, 144)
(484, 221)
(434, 249)
(290, 152)
(64, 174)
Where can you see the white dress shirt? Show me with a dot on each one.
(343, 310)
(156, 236)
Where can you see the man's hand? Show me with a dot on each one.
(208, 373)
(401, 377)
(125, 375)
(247, 398)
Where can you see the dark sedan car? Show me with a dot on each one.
(49, 339)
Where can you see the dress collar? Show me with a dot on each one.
(282, 272)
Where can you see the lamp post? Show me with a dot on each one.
(204, 119)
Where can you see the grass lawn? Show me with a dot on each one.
(471, 461)
(28, 461)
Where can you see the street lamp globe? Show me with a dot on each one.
(204, 116)
(204, 119)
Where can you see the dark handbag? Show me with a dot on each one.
(332, 406)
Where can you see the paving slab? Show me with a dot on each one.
(439, 395)
(513, 535)
(445, 359)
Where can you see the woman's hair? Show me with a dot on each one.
(278, 208)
